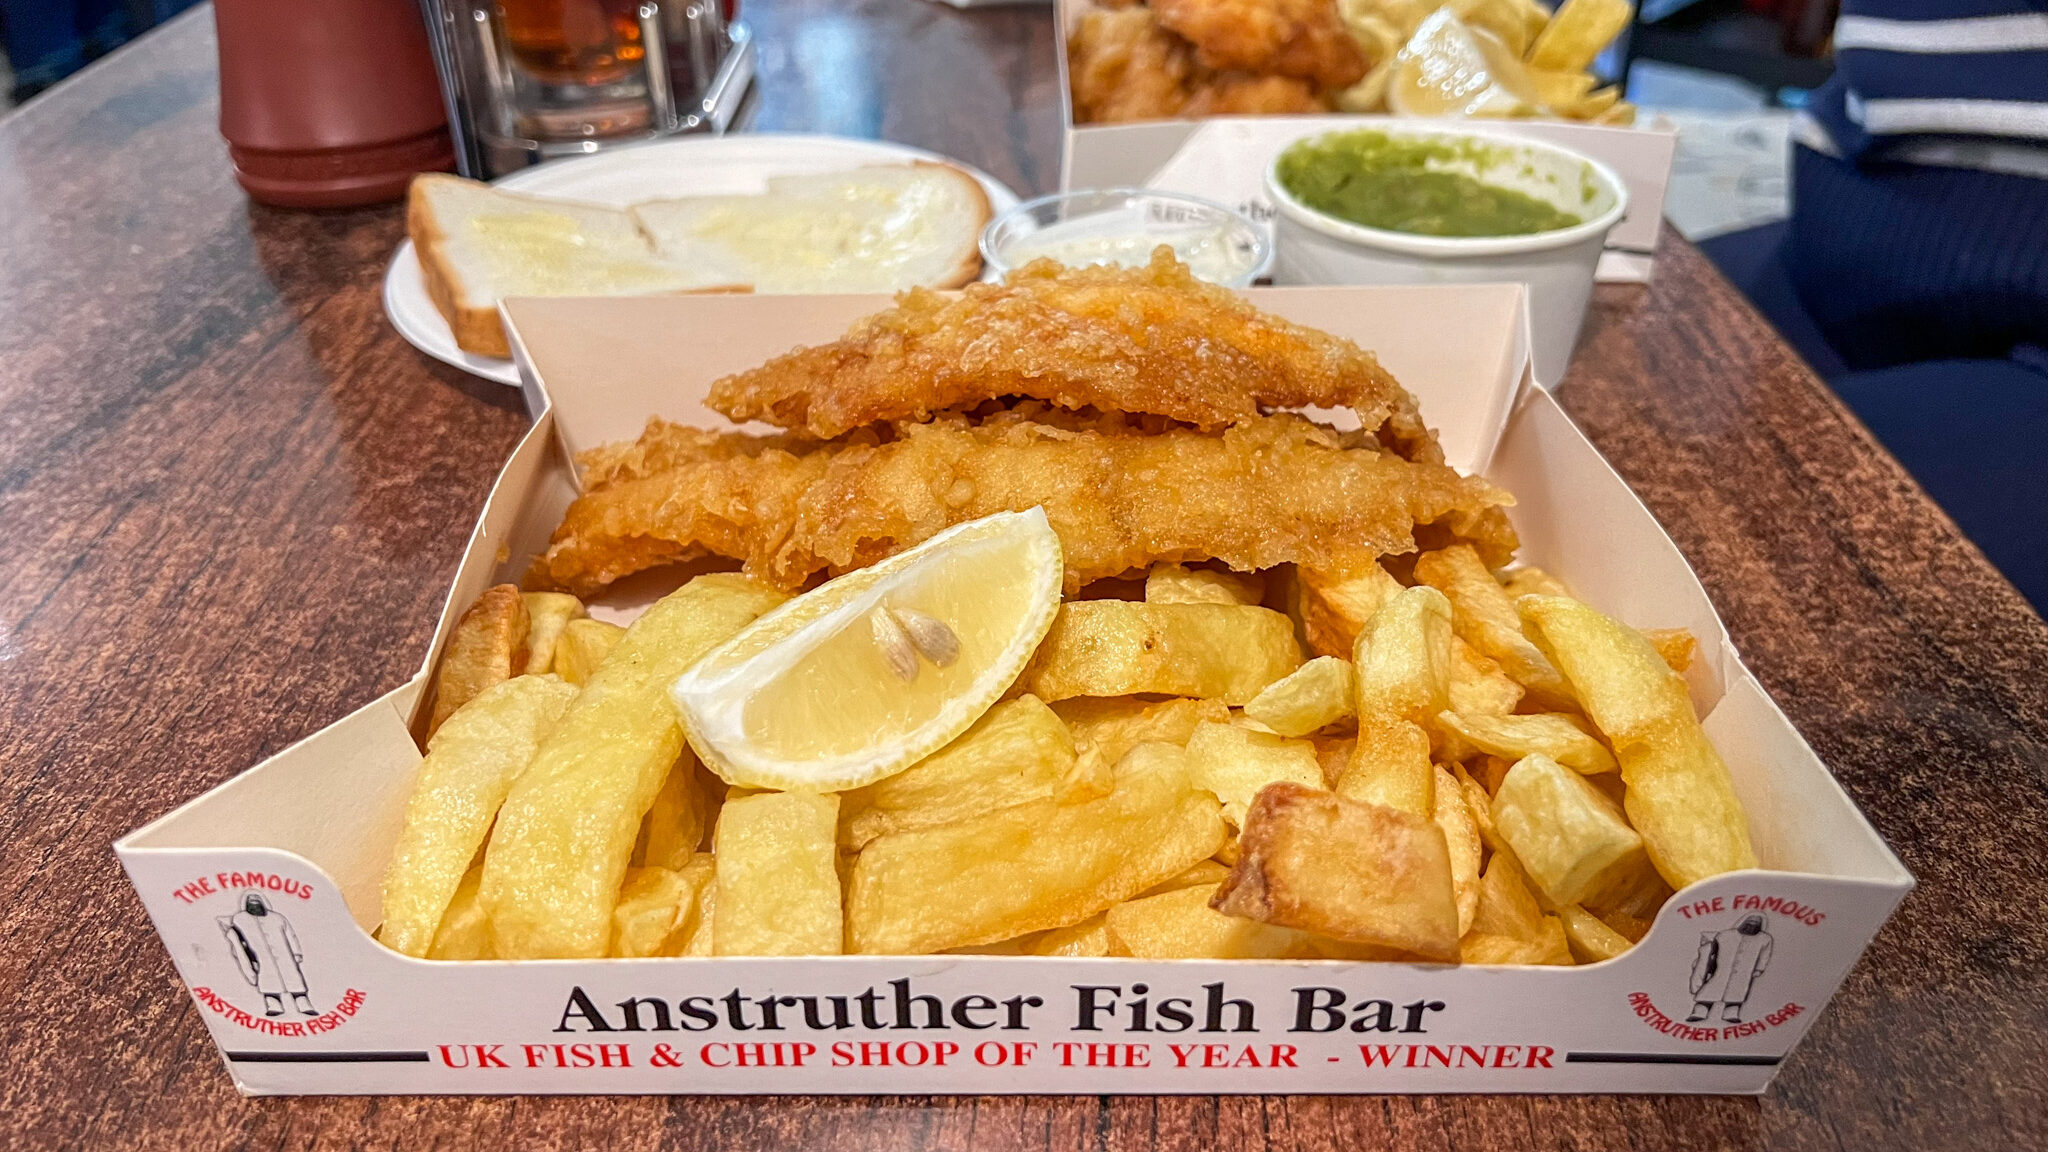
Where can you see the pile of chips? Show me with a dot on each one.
(1496, 58)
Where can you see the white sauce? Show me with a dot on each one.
(1219, 252)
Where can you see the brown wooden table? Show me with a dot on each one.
(231, 498)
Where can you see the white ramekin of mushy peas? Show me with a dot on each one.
(1429, 204)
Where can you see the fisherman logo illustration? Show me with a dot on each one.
(1726, 968)
(268, 953)
(261, 945)
(1722, 980)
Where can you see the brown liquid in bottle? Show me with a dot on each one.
(329, 105)
(585, 42)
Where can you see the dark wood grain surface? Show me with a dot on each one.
(231, 497)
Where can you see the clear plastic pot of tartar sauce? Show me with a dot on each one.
(1123, 226)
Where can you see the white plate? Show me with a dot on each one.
(686, 166)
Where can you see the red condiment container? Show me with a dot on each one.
(329, 103)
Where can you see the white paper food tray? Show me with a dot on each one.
(309, 831)
(1224, 159)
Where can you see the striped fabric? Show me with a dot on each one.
(1961, 83)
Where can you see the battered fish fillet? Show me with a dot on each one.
(1124, 67)
(1153, 340)
(1301, 38)
(1242, 94)
(675, 446)
(1271, 490)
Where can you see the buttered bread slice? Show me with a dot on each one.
(876, 229)
(478, 245)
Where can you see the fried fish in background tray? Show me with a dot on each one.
(1130, 61)
(1298, 38)
(1153, 340)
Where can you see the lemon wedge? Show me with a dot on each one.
(872, 672)
(1450, 69)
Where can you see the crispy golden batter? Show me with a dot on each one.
(1149, 340)
(1272, 490)
(1124, 67)
(1243, 94)
(1301, 38)
(678, 444)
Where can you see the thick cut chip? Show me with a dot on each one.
(471, 763)
(1402, 669)
(1593, 104)
(487, 646)
(697, 940)
(1578, 31)
(1234, 763)
(1357, 872)
(582, 646)
(693, 932)
(1390, 764)
(1334, 606)
(656, 910)
(1678, 646)
(1106, 729)
(1682, 799)
(465, 932)
(1629, 928)
(1118, 648)
(1484, 616)
(1198, 874)
(1592, 939)
(1477, 683)
(1506, 905)
(1180, 925)
(1228, 855)
(1461, 838)
(1091, 937)
(1018, 752)
(1489, 771)
(1333, 754)
(1175, 584)
(1530, 580)
(567, 830)
(1403, 658)
(1032, 867)
(1636, 896)
(1313, 696)
(777, 857)
(547, 613)
(1567, 834)
(1621, 115)
(1480, 803)
(1015, 946)
(1558, 735)
(677, 820)
(1680, 795)
(1555, 89)
(1547, 945)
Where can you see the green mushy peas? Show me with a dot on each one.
(1383, 181)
